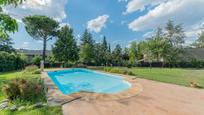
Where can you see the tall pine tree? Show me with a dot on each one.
(104, 52)
(87, 52)
(117, 55)
(65, 49)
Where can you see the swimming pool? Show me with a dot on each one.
(77, 79)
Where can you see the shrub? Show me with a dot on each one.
(107, 69)
(129, 66)
(130, 73)
(36, 60)
(11, 89)
(31, 68)
(11, 61)
(125, 72)
(196, 63)
(80, 65)
(116, 70)
(38, 71)
(68, 64)
(27, 90)
(50, 59)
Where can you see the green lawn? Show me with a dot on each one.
(175, 76)
(41, 111)
(56, 110)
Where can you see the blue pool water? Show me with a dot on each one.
(76, 80)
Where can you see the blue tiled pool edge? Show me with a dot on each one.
(59, 86)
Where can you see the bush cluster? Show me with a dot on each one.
(197, 63)
(24, 89)
(36, 60)
(11, 61)
(118, 70)
(31, 68)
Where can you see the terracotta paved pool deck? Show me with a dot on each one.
(155, 99)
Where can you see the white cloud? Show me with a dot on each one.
(135, 5)
(186, 12)
(98, 23)
(51, 8)
(193, 32)
(148, 34)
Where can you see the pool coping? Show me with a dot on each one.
(56, 97)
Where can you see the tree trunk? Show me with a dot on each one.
(44, 49)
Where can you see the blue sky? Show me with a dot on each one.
(121, 21)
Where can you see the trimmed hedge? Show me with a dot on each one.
(11, 61)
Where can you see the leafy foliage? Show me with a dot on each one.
(6, 45)
(36, 60)
(102, 53)
(86, 54)
(7, 23)
(87, 38)
(133, 52)
(65, 48)
(199, 43)
(159, 46)
(9, 62)
(174, 34)
(31, 68)
(117, 55)
(13, 2)
(41, 28)
(163, 46)
(87, 50)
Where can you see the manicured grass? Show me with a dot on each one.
(4, 77)
(175, 76)
(56, 110)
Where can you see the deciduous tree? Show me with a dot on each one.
(7, 23)
(199, 43)
(133, 52)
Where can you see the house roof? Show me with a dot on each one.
(193, 53)
(33, 52)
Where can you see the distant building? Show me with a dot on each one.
(193, 53)
(187, 55)
(32, 53)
